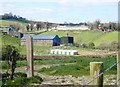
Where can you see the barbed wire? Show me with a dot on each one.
(102, 72)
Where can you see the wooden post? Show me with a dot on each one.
(29, 46)
(95, 69)
(118, 69)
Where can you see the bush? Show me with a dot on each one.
(91, 45)
(84, 45)
(104, 46)
(35, 79)
(21, 79)
(10, 54)
(114, 46)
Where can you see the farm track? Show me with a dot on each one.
(67, 79)
(86, 54)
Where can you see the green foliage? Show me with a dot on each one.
(104, 46)
(84, 45)
(20, 74)
(81, 66)
(91, 45)
(10, 54)
(20, 79)
(8, 40)
(114, 46)
(20, 24)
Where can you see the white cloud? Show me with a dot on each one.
(85, 2)
(27, 12)
(29, 1)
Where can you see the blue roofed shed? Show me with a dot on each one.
(43, 40)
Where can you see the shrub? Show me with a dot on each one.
(35, 79)
(10, 54)
(114, 46)
(84, 45)
(104, 46)
(91, 45)
(22, 80)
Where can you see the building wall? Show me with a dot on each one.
(64, 52)
(67, 40)
(39, 42)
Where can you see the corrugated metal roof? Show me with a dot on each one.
(40, 37)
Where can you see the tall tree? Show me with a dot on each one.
(96, 24)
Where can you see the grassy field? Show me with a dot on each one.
(45, 50)
(79, 68)
(97, 37)
(21, 25)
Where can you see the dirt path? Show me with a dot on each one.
(67, 79)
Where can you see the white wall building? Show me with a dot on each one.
(64, 52)
(82, 27)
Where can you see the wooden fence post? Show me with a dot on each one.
(29, 46)
(118, 69)
(95, 69)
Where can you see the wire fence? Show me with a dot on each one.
(87, 83)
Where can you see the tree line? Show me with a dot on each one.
(111, 26)
(10, 16)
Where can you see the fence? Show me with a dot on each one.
(97, 72)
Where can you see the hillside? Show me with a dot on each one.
(8, 40)
(97, 37)
(21, 25)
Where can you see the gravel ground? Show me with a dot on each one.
(68, 79)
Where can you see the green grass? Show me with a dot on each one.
(84, 36)
(80, 68)
(8, 40)
(21, 25)
(87, 36)
(107, 38)
(20, 79)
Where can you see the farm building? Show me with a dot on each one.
(64, 52)
(67, 41)
(11, 31)
(82, 27)
(43, 40)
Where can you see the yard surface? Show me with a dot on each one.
(69, 71)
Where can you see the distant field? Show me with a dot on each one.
(8, 40)
(97, 37)
(22, 25)
(85, 37)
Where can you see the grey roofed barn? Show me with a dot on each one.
(40, 37)
(43, 40)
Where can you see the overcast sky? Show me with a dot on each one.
(61, 11)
